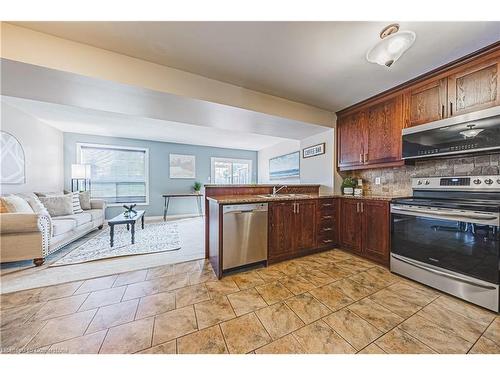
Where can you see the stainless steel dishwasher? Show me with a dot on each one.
(244, 235)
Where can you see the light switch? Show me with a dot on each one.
(377, 180)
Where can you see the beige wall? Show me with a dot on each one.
(41, 49)
(43, 150)
(319, 169)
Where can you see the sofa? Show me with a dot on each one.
(33, 236)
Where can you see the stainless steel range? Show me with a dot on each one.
(447, 236)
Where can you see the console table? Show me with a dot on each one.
(197, 196)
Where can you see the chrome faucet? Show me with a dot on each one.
(275, 191)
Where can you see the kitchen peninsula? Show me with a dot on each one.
(299, 221)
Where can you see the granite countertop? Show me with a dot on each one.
(241, 199)
(260, 185)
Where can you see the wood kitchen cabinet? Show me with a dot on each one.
(351, 130)
(474, 87)
(281, 226)
(384, 123)
(372, 136)
(292, 229)
(365, 228)
(350, 225)
(427, 102)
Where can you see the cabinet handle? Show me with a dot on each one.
(360, 158)
(365, 158)
(357, 207)
(327, 229)
(327, 241)
(451, 109)
(327, 204)
(298, 207)
(362, 207)
(327, 217)
(442, 111)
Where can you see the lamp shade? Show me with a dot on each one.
(389, 49)
(80, 171)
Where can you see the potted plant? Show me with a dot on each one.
(197, 187)
(348, 185)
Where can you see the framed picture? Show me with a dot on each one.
(315, 150)
(12, 160)
(285, 167)
(182, 166)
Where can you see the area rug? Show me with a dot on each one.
(154, 238)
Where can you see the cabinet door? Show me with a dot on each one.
(427, 103)
(350, 139)
(376, 230)
(474, 87)
(305, 225)
(383, 131)
(281, 227)
(350, 225)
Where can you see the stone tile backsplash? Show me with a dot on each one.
(397, 181)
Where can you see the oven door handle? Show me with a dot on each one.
(447, 213)
(442, 273)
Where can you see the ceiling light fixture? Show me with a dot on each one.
(391, 46)
(471, 132)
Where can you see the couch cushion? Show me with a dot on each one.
(16, 204)
(80, 219)
(59, 205)
(60, 226)
(96, 214)
(85, 200)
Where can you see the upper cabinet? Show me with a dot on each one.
(427, 102)
(383, 132)
(350, 131)
(474, 88)
(369, 133)
(371, 136)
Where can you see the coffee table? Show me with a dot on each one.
(129, 221)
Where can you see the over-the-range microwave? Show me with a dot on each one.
(469, 133)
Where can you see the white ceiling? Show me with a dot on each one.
(88, 121)
(75, 103)
(319, 63)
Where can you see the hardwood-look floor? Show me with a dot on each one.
(331, 302)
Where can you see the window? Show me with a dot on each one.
(231, 171)
(118, 174)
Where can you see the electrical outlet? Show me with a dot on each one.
(377, 181)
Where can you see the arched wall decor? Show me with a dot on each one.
(12, 160)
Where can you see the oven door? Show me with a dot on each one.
(465, 242)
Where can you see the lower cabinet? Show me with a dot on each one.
(365, 228)
(292, 229)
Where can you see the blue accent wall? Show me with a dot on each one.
(159, 181)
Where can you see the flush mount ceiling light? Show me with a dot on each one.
(471, 132)
(391, 46)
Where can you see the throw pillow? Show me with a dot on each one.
(75, 199)
(59, 205)
(36, 205)
(17, 204)
(50, 194)
(3, 207)
(85, 200)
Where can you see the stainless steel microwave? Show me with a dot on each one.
(473, 132)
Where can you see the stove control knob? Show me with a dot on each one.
(477, 181)
(488, 181)
(498, 181)
(427, 182)
(419, 182)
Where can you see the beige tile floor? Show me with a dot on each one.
(330, 302)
